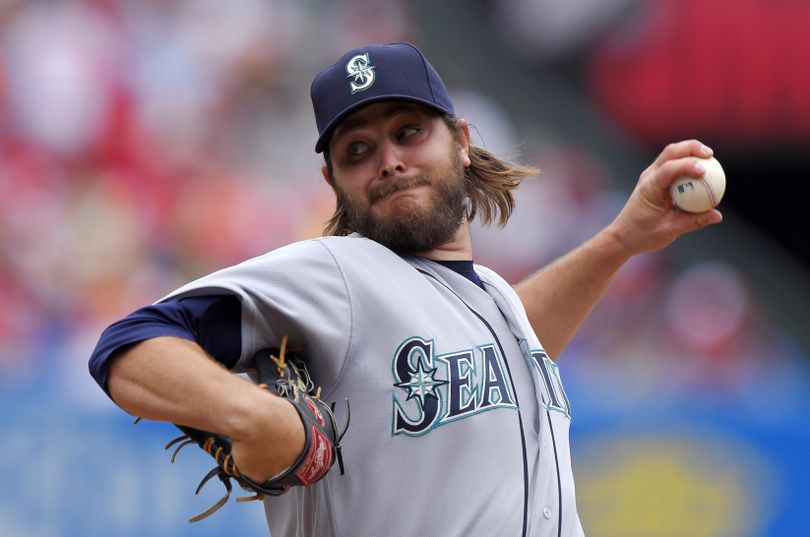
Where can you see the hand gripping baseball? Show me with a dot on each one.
(285, 374)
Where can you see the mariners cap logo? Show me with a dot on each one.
(361, 73)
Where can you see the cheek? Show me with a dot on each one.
(351, 195)
(440, 157)
(354, 179)
(349, 188)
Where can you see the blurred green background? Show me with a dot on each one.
(145, 143)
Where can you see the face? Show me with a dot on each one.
(399, 173)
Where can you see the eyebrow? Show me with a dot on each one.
(357, 122)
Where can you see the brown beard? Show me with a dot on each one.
(419, 229)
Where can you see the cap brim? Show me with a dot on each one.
(324, 138)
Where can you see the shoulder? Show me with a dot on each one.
(285, 267)
(356, 251)
(320, 251)
(311, 262)
(353, 243)
(327, 254)
(323, 247)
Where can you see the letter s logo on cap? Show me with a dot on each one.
(361, 73)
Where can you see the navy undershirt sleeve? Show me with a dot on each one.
(213, 321)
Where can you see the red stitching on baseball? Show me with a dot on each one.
(712, 197)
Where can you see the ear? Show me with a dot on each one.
(326, 176)
(464, 142)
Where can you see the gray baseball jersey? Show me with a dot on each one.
(459, 419)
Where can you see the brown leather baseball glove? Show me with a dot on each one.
(284, 373)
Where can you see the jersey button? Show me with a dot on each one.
(546, 512)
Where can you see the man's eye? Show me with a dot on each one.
(356, 149)
(407, 132)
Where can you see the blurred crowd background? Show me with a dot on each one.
(144, 143)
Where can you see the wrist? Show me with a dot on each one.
(251, 407)
(267, 436)
(261, 415)
(611, 245)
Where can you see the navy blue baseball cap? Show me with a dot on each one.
(371, 73)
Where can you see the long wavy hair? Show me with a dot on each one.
(489, 183)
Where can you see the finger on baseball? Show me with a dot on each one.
(682, 149)
(671, 170)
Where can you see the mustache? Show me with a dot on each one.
(387, 188)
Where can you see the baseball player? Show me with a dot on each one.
(459, 417)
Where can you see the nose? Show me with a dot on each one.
(391, 161)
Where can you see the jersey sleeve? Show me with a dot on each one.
(213, 321)
(298, 291)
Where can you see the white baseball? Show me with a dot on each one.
(699, 194)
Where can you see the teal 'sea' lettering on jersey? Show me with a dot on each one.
(435, 390)
(557, 400)
(415, 374)
(496, 391)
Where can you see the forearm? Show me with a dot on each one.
(172, 379)
(560, 296)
